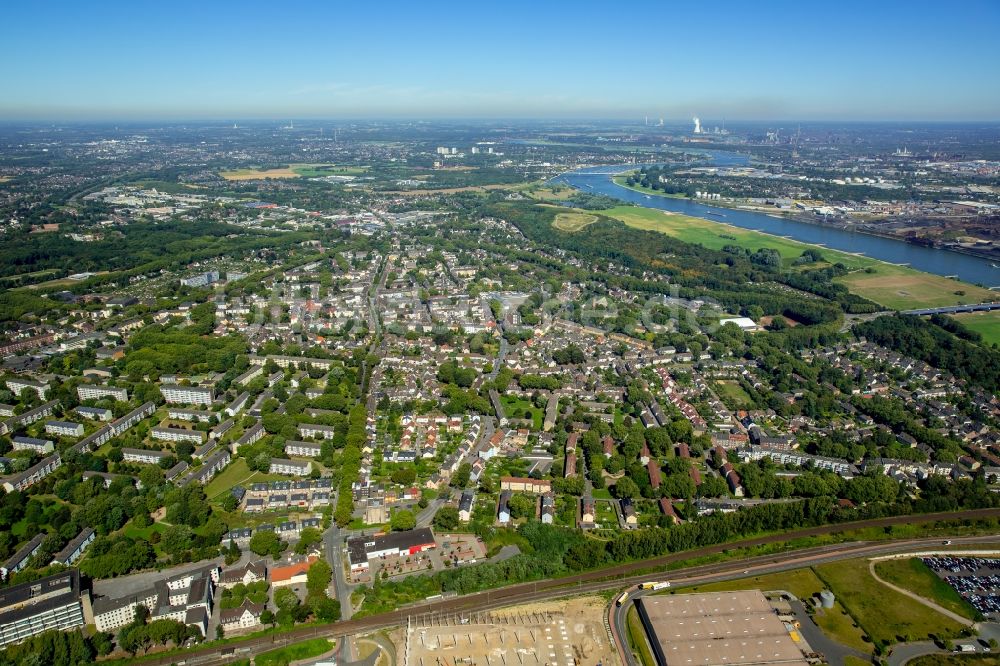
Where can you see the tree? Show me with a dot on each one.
(402, 519)
(267, 617)
(521, 506)
(318, 578)
(229, 503)
(220, 632)
(461, 478)
(285, 599)
(266, 543)
(233, 553)
(446, 518)
(626, 487)
(308, 537)
(326, 609)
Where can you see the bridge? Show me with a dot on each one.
(612, 170)
(955, 309)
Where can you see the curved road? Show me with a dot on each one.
(613, 577)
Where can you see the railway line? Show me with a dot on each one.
(614, 577)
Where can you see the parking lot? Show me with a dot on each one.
(977, 579)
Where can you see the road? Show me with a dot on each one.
(614, 577)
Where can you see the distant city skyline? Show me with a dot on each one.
(782, 61)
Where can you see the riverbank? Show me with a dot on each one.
(785, 214)
(894, 287)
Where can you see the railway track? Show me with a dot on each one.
(613, 577)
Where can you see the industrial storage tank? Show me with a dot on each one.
(826, 598)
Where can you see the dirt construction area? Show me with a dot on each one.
(558, 633)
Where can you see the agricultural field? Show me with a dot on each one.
(987, 324)
(885, 615)
(896, 287)
(293, 171)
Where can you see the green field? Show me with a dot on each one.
(295, 652)
(885, 615)
(731, 393)
(236, 474)
(573, 221)
(987, 324)
(294, 171)
(803, 583)
(515, 409)
(637, 638)
(897, 287)
(913, 575)
(903, 288)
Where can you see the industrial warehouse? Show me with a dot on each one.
(716, 629)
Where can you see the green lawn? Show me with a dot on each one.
(897, 287)
(236, 474)
(286, 655)
(913, 575)
(637, 638)
(803, 583)
(515, 409)
(987, 324)
(885, 615)
(731, 393)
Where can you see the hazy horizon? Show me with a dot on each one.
(778, 62)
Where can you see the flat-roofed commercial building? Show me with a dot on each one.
(717, 629)
(50, 603)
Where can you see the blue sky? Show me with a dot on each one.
(736, 60)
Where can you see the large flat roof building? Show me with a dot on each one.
(717, 629)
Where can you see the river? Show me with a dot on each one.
(597, 180)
